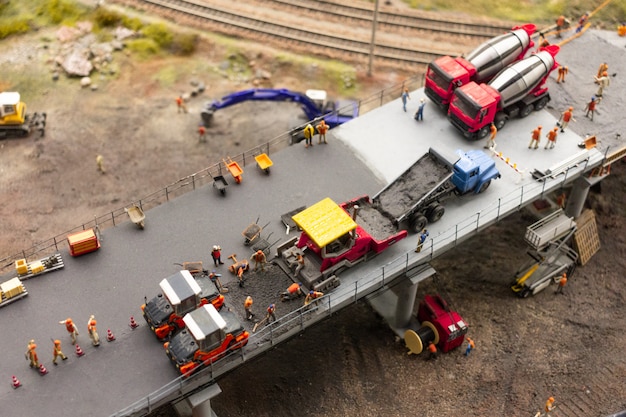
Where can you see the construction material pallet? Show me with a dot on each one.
(55, 260)
(12, 290)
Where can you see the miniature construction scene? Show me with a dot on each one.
(459, 247)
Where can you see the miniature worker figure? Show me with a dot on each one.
(562, 282)
(57, 352)
(100, 164)
(470, 346)
(491, 142)
(93, 331)
(31, 354)
(419, 114)
(259, 259)
(180, 104)
(242, 267)
(560, 26)
(421, 239)
(550, 405)
(405, 98)
(201, 133)
(299, 265)
(433, 350)
(294, 290)
(604, 67)
(313, 296)
(216, 254)
(271, 313)
(543, 42)
(566, 117)
(215, 279)
(535, 138)
(247, 306)
(581, 22)
(562, 71)
(322, 128)
(551, 138)
(71, 328)
(591, 108)
(603, 82)
(309, 132)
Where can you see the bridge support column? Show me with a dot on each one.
(578, 196)
(396, 302)
(198, 404)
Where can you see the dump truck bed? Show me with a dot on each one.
(412, 187)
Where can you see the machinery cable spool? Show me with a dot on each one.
(418, 341)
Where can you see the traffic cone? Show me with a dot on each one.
(79, 351)
(42, 369)
(16, 383)
(133, 324)
(110, 336)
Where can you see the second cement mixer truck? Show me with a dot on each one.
(515, 91)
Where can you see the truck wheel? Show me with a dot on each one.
(484, 186)
(526, 110)
(417, 223)
(500, 120)
(482, 133)
(541, 103)
(435, 213)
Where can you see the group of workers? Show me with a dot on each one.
(309, 132)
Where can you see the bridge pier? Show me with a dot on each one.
(580, 190)
(396, 301)
(198, 404)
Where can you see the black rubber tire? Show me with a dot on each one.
(435, 213)
(526, 110)
(484, 186)
(417, 222)
(482, 133)
(500, 120)
(541, 103)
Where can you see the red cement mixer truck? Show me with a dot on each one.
(515, 91)
(445, 74)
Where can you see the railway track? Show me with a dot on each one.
(343, 33)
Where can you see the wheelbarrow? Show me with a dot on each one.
(136, 215)
(234, 169)
(264, 162)
(220, 184)
(252, 232)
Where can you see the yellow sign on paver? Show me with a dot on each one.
(324, 222)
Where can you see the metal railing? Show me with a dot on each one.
(198, 179)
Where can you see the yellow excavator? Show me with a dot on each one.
(14, 121)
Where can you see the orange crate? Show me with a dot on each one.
(83, 242)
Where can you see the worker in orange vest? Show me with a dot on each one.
(591, 108)
(271, 313)
(31, 354)
(201, 133)
(491, 142)
(551, 138)
(312, 296)
(566, 117)
(562, 283)
(57, 352)
(259, 259)
(180, 104)
(93, 332)
(470, 346)
(562, 71)
(560, 25)
(294, 291)
(247, 305)
(322, 128)
(550, 405)
(299, 264)
(535, 138)
(433, 351)
(71, 329)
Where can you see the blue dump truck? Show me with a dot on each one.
(415, 198)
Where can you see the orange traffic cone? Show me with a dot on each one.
(79, 351)
(133, 324)
(16, 383)
(110, 336)
(42, 369)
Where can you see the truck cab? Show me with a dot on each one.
(12, 109)
(209, 335)
(473, 171)
(180, 294)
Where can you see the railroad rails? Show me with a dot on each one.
(352, 43)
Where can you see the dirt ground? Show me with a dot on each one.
(568, 346)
